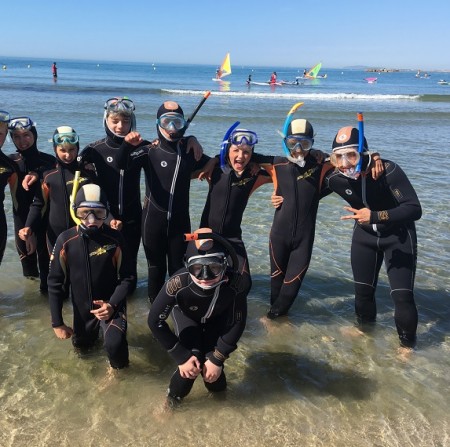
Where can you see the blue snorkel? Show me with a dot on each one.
(289, 118)
(360, 140)
(224, 145)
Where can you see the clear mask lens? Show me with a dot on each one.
(97, 213)
(294, 143)
(347, 159)
(171, 121)
(20, 123)
(243, 138)
(4, 117)
(119, 105)
(61, 138)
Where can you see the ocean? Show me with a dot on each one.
(306, 381)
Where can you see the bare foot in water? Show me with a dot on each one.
(109, 379)
(351, 331)
(404, 354)
(164, 411)
(275, 326)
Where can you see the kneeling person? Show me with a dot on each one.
(91, 259)
(208, 311)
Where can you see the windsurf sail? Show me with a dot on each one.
(225, 68)
(314, 71)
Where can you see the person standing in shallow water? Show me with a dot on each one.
(54, 70)
(169, 166)
(8, 175)
(28, 159)
(122, 186)
(384, 211)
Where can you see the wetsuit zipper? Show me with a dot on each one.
(120, 204)
(294, 227)
(88, 269)
(172, 186)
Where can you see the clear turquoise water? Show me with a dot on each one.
(303, 383)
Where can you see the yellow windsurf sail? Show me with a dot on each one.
(225, 68)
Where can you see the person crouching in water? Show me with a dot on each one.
(92, 260)
(208, 312)
(384, 212)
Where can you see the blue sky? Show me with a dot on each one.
(296, 33)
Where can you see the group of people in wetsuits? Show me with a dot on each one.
(83, 211)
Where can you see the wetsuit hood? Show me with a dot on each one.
(32, 150)
(111, 137)
(170, 107)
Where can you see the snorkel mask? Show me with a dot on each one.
(297, 137)
(119, 106)
(348, 146)
(238, 137)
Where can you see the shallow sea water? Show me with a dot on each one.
(302, 381)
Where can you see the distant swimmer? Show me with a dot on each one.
(249, 79)
(55, 70)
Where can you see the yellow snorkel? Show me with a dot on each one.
(75, 186)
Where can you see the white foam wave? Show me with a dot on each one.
(309, 96)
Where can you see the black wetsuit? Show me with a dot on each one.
(391, 236)
(208, 324)
(31, 160)
(52, 200)
(293, 229)
(122, 187)
(225, 205)
(165, 218)
(95, 267)
(8, 174)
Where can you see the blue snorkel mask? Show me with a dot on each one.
(224, 147)
(236, 137)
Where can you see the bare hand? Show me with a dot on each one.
(254, 168)
(104, 312)
(28, 180)
(211, 372)
(276, 200)
(134, 138)
(25, 233)
(318, 155)
(190, 369)
(362, 215)
(207, 170)
(63, 332)
(377, 166)
(116, 224)
(194, 145)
